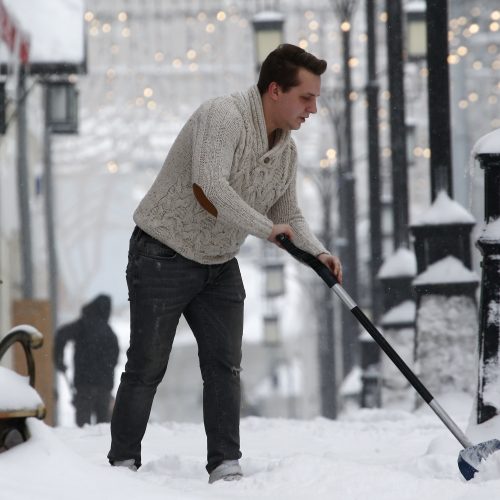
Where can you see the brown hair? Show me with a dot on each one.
(282, 65)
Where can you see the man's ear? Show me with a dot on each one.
(273, 90)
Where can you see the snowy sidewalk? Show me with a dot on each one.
(375, 454)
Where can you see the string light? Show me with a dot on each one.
(345, 26)
(89, 16)
(221, 16)
(112, 167)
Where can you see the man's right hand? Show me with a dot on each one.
(280, 229)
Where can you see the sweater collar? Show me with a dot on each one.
(259, 123)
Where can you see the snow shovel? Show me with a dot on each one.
(470, 457)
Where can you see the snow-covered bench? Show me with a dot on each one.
(18, 398)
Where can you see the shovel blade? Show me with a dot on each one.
(470, 457)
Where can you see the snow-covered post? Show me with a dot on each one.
(446, 302)
(398, 323)
(487, 151)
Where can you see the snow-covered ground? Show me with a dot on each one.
(369, 454)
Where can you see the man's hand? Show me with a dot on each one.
(332, 263)
(280, 229)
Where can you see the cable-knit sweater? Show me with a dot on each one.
(223, 148)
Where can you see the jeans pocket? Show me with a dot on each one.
(149, 247)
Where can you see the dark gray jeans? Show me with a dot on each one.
(163, 285)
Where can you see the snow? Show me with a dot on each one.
(352, 385)
(401, 263)
(491, 231)
(444, 210)
(56, 29)
(489, 143)
(416, 6)
(16, 393)
(268, 16)
(446, 343)
(402, 313)
(447, 270)
(376, 454)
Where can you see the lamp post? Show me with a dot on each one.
(372, 91)
(3, 106)
(268, 32)
(416, 31)
(438, 85)
(344, 10)
(397, 120)
(324, 179)
(61, 116)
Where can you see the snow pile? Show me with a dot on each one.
(447, 270)
(444, 210)
(491, 231)
(489, 143)
(401, 263)
(402, 313)
(397, 455)
(16, 393)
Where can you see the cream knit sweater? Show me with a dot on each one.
(223, 148)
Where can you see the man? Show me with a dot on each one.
(231, 172)
(95, 356)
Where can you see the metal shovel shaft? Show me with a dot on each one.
(332, 282)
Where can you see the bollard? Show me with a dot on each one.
(488, 397)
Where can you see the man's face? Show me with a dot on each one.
(294, 106)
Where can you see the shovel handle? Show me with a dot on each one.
(332, 282)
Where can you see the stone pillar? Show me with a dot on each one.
(446, 320)
(398, 326)
(445, 347)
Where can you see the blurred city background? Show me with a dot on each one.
(128, 73)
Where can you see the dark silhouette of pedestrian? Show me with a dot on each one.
(95, 357)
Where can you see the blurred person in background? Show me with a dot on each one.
(95, 356)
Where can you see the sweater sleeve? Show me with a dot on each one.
(215, 139)
(287, 211)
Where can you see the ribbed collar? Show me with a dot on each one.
(252, 101)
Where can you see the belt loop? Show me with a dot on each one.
(136, 234)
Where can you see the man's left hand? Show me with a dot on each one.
(332, 263)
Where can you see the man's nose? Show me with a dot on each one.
(312, 108)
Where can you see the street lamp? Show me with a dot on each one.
(3, 106)
(62, 107)
(268, 30)
(416, 31)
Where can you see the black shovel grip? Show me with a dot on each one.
(308, 259)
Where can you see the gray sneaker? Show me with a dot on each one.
(228, 470)
(129, 464)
